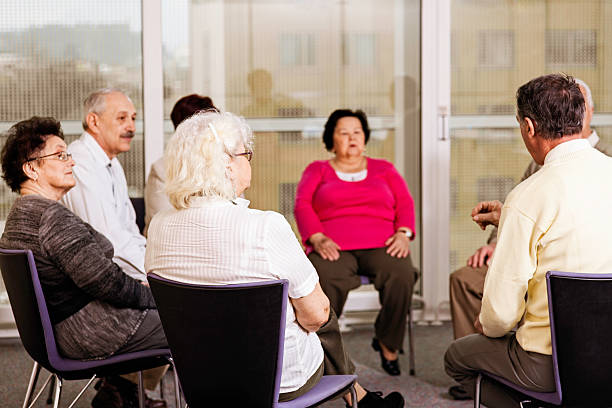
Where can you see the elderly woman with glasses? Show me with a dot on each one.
(96, 309)
(212, 237)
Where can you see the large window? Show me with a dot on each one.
(54, 53)
(516, 41)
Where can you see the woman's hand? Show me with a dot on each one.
(324, 246)
(398, 245)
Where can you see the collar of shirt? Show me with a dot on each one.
(218, 202)
(95, 149)
(566, 148)
(593, 138)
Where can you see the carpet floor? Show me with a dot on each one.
(428, 389)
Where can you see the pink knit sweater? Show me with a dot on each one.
(356, 215)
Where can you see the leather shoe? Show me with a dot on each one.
(459, 393)
(375, 400)
(390, 366)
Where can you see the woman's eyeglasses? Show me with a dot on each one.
(248, 154)
(61, 156)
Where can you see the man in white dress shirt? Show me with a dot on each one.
(100, 196)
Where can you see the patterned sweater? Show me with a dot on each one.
(95, 307)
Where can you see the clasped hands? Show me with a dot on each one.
(398, 245)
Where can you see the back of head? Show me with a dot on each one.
(198, 154)
(24, 140)
(554, 103)
(188, 105)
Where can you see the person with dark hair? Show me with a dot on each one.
(154, 195)
(467, 283)
(96, 309)
(554, 220)
(356, 217)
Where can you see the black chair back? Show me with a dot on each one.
(225, 340)
(581, 321)
(16, 267)
(139, 207)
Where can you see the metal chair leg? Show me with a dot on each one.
(51, 389)
(353, 396)
(31, 384)
(141, 392)
(410, 344)
(58, 391)
(477, 393)
(177, 388)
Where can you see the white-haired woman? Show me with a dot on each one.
(212, 237)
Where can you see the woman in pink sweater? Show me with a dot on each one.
(356, 217)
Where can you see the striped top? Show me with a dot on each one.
(217, 242)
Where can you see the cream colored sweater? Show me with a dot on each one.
(559, 219)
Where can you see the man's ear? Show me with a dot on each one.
(530, 127)
(92, 121)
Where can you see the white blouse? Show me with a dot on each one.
(218, 242)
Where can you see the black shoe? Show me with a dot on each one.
(108, 396)
(459, 393)
(375, 400)
(390, 366)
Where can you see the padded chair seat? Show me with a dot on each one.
(326, 388)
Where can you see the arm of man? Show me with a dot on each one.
(91, 202)
(156, 199)
(513, 265)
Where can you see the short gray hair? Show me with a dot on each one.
(587, 92)
(96, 102)
(198, 155)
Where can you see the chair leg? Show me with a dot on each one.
(31, 384)
(58, 391)
(82, 391)
(161, 388)
(477, 392)
(410, 344)
(141, 392)
(353, 396)
(51, 389)
(177, 388)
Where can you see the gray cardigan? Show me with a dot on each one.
(94, 306)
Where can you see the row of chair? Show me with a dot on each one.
(226, 342)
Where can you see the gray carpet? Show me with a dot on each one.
(426, 389)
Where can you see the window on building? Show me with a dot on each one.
(360, 49)
(571, 47)
(494, 188)
(286, 199)
(496, 49)
(297, 49)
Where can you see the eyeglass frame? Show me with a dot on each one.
(248, 154)
(59, 155)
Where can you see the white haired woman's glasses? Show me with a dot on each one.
(248, 154)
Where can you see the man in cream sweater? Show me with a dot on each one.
(554, 220)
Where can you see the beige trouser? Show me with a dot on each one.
(466, 287)
(504, 357)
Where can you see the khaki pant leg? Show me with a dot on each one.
(504, 357)
(150, 377)
(394, 280)
(337, 278)
(466, 287)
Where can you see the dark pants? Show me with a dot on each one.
(393, 278)
(335, 357)
(150, 335)
(503, 357)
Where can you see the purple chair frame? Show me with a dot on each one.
(36, 332)
(328, 387)
(553, 398)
